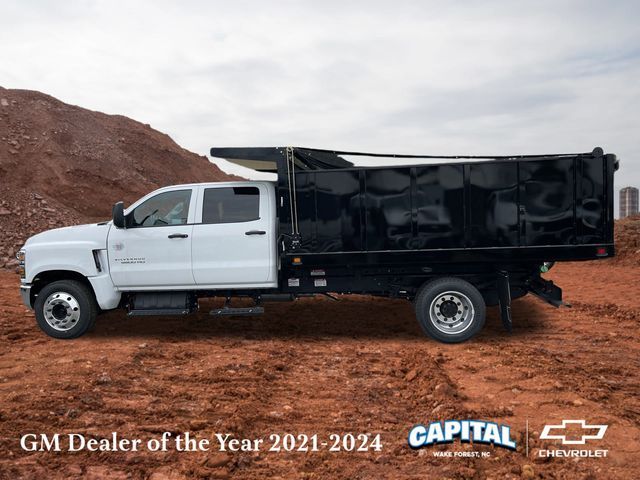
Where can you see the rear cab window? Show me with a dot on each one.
(230, 205)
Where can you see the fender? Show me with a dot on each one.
(69, 248)
(77, 250)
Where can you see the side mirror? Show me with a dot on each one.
(118, 214)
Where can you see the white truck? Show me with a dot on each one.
(451, 237)
(218, 236)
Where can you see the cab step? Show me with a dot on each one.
(246, 311)
(159, 311)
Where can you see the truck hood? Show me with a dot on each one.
(94, 234)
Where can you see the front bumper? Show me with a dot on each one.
(25, 293)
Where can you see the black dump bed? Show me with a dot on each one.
(513, 209)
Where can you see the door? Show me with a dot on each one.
(154, 250)
(234, 237)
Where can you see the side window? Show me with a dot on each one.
(231, 205)
(167, 208)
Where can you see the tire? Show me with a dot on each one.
(65, 309)
(450, 309)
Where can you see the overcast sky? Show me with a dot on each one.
(465, 77)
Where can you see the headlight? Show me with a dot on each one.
(21, 256)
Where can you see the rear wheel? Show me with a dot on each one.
(450, 309)
(65, 309)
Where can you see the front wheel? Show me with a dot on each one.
(450, 309)
(65, 309)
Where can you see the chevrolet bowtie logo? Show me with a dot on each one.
(561, 429)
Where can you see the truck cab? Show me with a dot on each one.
(182, 238)
(205, 236)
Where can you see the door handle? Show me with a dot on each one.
(178, 235)
(255, 232)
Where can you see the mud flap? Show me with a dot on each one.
(504, 298)
(547, 291)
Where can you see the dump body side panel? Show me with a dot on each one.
(552, 202)
(493, 205)
(548, 200)
(338, 207)
(439, 207)
(591, 201)
(454, 218)
(388, 209)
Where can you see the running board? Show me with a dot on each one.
(159, 311)
(228, 311)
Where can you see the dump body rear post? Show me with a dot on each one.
(453, 234)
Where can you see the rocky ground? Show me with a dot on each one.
(627, 238)
(61, 165)
(317, 366)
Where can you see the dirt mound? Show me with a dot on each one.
(627, 241)
(61, 164)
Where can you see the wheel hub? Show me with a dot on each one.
(61, 311)
(448, 308)
(451, 312)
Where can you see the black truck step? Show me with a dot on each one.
(276, 297)
(160, 311)
(218, 312)
(547, 291)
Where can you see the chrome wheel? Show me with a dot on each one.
(61, 311)
(451, 312)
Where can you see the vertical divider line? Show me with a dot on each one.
(577, 196)
(466, 203)
(314, 190)
(362, 179)
(519, 202)
(413, 196)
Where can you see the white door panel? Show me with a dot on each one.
(223, 254)
(147, 257)
(155, 248)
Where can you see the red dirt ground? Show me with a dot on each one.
(317, 366)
